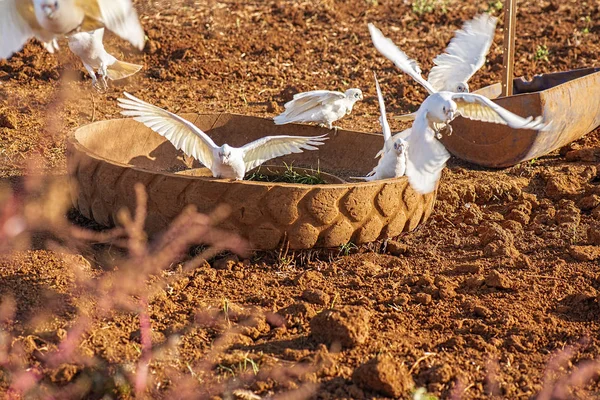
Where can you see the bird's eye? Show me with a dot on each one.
(356, 95)
(444, 109)
(56, 5)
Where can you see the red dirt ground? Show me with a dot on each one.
(495, 296)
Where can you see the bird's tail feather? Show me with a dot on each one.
(405, 117)
(121, 70)
(281, 119)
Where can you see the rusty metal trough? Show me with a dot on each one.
(568, 99)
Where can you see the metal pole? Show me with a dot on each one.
(510, 22)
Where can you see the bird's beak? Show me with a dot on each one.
(49, 10)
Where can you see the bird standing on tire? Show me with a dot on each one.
(321, 106)
(392, 161)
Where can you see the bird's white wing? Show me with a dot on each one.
(14, 28)
(98, 35)
(465, 54)
(320, 94)
(390, 51)
(180, 132)
(425, 158)
(268, 147)
(385, 126)
(119, 16)
(306, 103)
(480, 108)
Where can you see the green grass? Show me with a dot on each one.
(289, 175)
(541, 53)
(421, 7)
(588, 24)
(346, 248)
(421, 394)
(495, 6)
(233, 370)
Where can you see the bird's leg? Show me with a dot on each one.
(437, 128)
(92, 74)
(104, 82)
(448, 130)
(442, 129)
(104, 75)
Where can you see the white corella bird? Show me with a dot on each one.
(224, 161)
(427, 156)
(320, 106)
(48, 20)
(392, 161)
(464, 56)
(89, 48)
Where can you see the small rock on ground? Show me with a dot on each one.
(346, 325)
(383, 375)
(316, 296)
(496, 280)
(585, 253)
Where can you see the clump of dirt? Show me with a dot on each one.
(347, 326)
(385, 376)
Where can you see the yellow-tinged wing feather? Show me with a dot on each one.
(478, 112)
(477, 107)
(118, 16)
(26, 11)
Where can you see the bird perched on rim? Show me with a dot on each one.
(392, 161)
(48, 20)
(427, 156)
(463, 57)
(89, 48)
(224, 161)
(321, 106)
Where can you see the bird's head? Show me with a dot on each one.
(224, 154)
(48, 7)
(462, 87)
(447, 112)
(400, 146)
(354, 94)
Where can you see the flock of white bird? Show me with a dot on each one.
(415, 152)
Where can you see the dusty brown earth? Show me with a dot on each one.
(495, 296)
